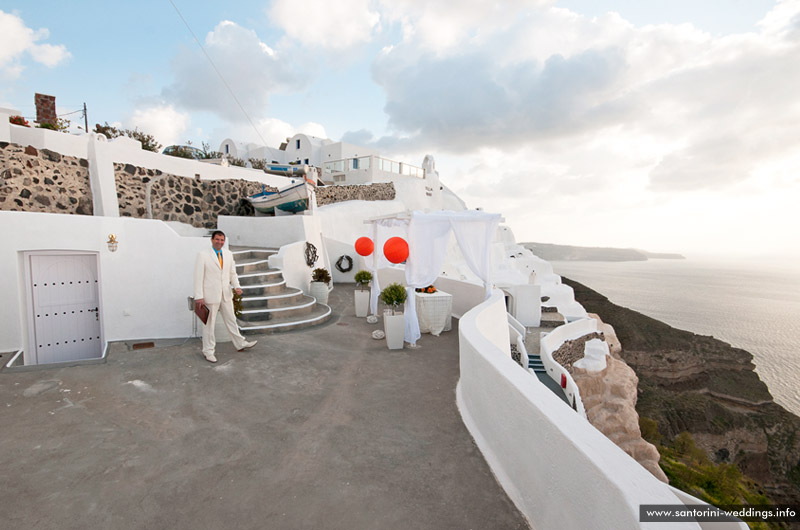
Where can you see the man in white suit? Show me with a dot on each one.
(214, 282)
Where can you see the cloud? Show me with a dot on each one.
(680, 109)
(17, 40)
(250, 67)
(164, 122)
(325, 24)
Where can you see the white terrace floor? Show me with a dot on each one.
(318, 429)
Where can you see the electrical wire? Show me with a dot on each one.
(218, 72)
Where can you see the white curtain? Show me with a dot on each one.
(427, 245)
(427, 236)
(474, 232)
(382, 230)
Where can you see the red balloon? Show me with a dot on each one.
(396, 249)
(364, 246)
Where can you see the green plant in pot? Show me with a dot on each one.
(362, 295)
(320, 275)
(393, 295)
(362, 279)
(320, 278)
(394, 324)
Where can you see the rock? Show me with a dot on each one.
(130, 169)
(48, 181)
(25, 193)
(31, 150)
(609, 397)
(42, 199)
(188, 209)
(51, 155)
(83, 162)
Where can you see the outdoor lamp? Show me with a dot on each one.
(112, 242)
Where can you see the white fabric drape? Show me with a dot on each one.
(382, 230)
(427, 236)
(474, 233)
(427, 245)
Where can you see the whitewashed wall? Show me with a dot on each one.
(559, 470)
(143, 286)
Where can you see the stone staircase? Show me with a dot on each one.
(268, 304)
(551, 318)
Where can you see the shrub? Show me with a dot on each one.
(258, 163)
(207, 153)
(19, 120)
(61, 124)
(148, 141)
(393, 295)
(649, 429)
(320, 275)
(363, 278)
(684, 445)
(236, 161)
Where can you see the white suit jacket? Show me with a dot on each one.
(212, 283)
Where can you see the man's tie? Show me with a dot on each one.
(219, 256)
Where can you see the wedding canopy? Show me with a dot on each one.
(427, 235)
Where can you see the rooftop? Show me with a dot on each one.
(323, 428)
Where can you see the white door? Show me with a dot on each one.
(66, 316)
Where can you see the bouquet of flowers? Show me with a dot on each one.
(429, 289)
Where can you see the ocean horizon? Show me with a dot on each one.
(750, 304)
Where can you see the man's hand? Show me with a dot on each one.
(237, 291)
(198, 303)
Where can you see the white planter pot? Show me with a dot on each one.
(319, 290)
(362, 303)
(394, 326)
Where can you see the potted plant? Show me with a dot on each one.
(362, 279)
(320, 278)
(394, 324)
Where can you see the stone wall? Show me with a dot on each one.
(39, 180)
(148, 193)
(369, 192)
(572, 350)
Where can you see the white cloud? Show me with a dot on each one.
(250, 67)
(16, 39)
(709, 110)
(322, 23)
(164, 122)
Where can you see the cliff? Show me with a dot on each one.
(701, 385)
(551, 252)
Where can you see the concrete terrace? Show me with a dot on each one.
(323, 428)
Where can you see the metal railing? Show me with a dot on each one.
(372, 162)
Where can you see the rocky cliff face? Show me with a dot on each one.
(609, 397)
(702, 385)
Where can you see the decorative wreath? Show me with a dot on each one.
(311, 254)
(344, 263)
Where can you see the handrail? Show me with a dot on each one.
(551, 342)
(517, 332)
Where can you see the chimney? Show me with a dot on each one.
(46, 109)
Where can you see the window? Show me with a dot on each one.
(297, 143)
(355, 163)
(306, 162)
(227, 149)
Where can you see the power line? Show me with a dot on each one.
(218, 73)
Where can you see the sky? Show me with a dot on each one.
(669, 126)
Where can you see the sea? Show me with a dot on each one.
(749, 304)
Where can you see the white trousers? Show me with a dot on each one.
(229, 318)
